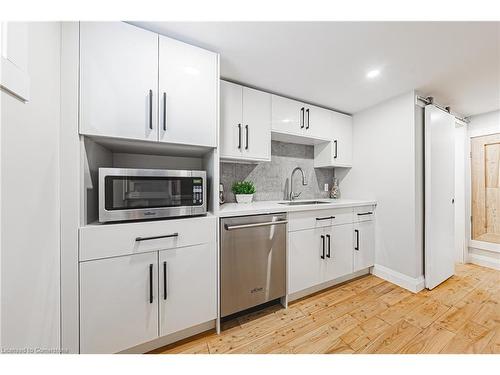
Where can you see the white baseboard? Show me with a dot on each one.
(484, 261)
(414, 285)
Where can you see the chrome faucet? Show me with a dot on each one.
(304, 183)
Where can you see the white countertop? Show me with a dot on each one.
(264, 207)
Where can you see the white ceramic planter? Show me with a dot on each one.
(244, 198)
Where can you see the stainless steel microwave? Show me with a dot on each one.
(139, 194)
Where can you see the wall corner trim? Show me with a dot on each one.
(414, 285)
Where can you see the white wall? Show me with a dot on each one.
(484, 254)
(483, 124)
(387, 167)
(29, 174)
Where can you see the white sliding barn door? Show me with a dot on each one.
(439, 196)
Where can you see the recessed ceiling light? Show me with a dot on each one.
(373, 73)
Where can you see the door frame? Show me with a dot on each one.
(480, 245)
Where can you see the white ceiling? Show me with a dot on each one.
(325, 63)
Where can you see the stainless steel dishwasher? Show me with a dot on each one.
(253, 261)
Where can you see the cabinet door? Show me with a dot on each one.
(188, 78)
(339, 257)
(288, 116)
(364, 245)
(118, 303)
(118, 81)
(318, 122)
(306, 263)
(231, 120)
(188, 285)
(342, 139)
(257, 124)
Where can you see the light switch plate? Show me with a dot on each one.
(326, 187)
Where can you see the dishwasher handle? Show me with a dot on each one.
(254, 225)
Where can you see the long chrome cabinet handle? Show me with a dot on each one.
(336, 149)
(302, 118)
(254, 225)
(357, 239)
(246, 128)
(325, 218)
(151, 283)
(329, 242)
(323, 242)
(165, 280)
(239, 136)
(165, 111)
(307, 111)
(365, 213)
(151, 109)
(138, 239)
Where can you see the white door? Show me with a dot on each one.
(256, 124)
(306, 259)
(439, 196)
(342, 139)
(118, 303)
(188, 287)
(231, 121)
(339, 257)
(188, 81)
(318, 122)
(364, 245)
(288, 116)
(118, 81)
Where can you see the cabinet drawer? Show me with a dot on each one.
(364, 213)
(319, 218)
(107, 240)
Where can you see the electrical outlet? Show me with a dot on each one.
(326, 187)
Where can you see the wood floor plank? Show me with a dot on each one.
(369, 315)
(398, 311)
(393, 339)
(320, 339)
(427, 313)
(456, 317)
(362, 335)
(471, 338)
(493, 346)
(430, 341)
(488, 315)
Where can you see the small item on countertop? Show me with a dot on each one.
(221, 194)
(243, 191)
(335, 191)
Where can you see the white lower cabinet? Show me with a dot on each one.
(319, 255)
(339, 261)
(187, 280)
(364, 245)
(305, 262)
(118, 303)
(328, 244)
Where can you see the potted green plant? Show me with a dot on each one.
(243, 191)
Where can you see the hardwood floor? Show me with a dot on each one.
(370, 315)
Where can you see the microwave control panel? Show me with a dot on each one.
(197, 191)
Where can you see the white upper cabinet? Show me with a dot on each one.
(288, 116)
(245, 123)
(337, 152)
(318, 122)
(188, 78)
(118, 81)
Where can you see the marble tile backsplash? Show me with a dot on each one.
(271, 179)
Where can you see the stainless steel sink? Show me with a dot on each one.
(301, 203)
